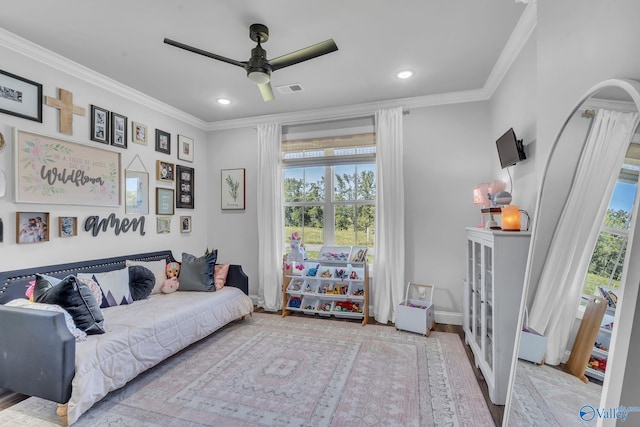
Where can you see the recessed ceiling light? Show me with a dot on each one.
(223, 101)
(404, 74)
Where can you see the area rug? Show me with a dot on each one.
(546, 396)
(293, 371)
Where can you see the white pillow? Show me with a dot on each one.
(158, 268)
(114, 285)
(79, 334)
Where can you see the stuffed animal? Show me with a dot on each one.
(171, 284)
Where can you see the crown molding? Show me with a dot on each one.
(31, 50)
(519, 37)
(521, 33)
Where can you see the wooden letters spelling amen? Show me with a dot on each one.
(95, 224)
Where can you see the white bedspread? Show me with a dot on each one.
(142, 334)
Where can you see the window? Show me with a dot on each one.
(330, 191)
(605, 268)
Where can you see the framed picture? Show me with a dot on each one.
(185, 224)
(163, 224)
(67, 226)
(233, 186)
(185, 148)
(164, 201)
(136, 197)
(118, 130)
(138, 133)
(32, 227)
(185, 180)
(163, 141)
(92, 178)
(165, 171)
(20, 97)
(99, 124)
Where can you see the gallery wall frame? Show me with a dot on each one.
(32, 227)
(99, 124)
(185, 224)
(163, 141)
(57, 171)
(20, 97)
(163, 225)
(185, 148)
(119, 128)
(136, 192)
(67, 226)
(165, 171)
(232, 193)
(138, 133)
(185, 187)
(164, 201)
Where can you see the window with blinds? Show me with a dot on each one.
(329, 184)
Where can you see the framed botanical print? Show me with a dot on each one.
(163, 141)
(184, 187)
(99, 124)
(233, 189)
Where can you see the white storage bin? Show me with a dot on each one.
(532, 343)
(416, 315)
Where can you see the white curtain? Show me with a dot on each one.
(270, 217)
(558, 295)
(388, 265)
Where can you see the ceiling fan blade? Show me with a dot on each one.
(266, 91)
(204, 53)
(305, 54)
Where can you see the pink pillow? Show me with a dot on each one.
(220, 275)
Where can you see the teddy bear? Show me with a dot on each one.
(171, 284)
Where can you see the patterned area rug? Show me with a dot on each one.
(546, 396)
(293, 371)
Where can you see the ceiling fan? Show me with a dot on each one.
(258, 67)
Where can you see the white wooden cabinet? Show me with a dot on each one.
(496, 262)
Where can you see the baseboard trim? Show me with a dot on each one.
(443, 317)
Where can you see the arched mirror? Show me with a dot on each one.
(597, 149)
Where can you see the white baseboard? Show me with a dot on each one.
(444, 317)
(448, 318)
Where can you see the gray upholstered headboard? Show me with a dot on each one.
(13, 284)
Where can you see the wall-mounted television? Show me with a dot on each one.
(510, 149)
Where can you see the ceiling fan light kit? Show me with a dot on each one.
(258, 67)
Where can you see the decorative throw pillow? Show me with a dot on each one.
(157, 267)
(115, 287)
(75, 297)
(196, 274)
(141, 282)
(87, 279)
(23, 303)
(220, 275)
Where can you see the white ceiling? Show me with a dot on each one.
(451, 45)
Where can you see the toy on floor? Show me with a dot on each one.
(171, 284)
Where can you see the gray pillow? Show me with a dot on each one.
(196, 274)
(141, 282)
(75, 297)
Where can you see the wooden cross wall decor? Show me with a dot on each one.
(67, 109)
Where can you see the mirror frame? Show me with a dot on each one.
(621, 336)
